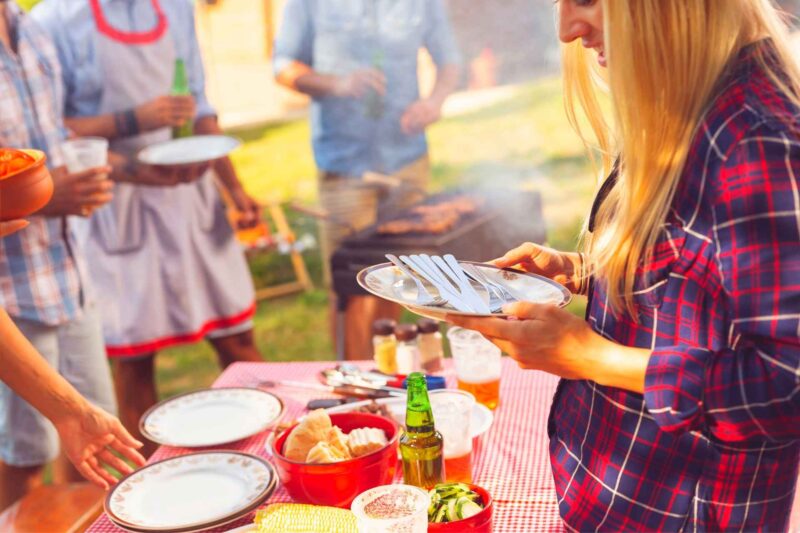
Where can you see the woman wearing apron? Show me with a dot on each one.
(163, 255)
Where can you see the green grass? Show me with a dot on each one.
(521, 142)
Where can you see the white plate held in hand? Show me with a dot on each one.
(189, 150)
(211, 417)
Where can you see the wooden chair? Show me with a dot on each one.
(64, 508)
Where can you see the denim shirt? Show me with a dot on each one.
(340, 36)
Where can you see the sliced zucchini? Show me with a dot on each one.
(452, 511)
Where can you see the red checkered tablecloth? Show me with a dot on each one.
(511, 460)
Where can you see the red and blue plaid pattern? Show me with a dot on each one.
(39, 278)
(714, 443)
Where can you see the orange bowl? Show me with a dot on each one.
(337, 484)
(479, 523)
(27, 190)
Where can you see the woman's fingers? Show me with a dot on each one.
(89, 473)
(128, 448)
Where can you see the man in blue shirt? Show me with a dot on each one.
(357, 59)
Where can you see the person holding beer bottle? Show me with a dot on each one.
(165, 256)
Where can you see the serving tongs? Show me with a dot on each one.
(352, 375)
(354, 391)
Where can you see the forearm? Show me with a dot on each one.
(447, 78)
(224, 167)
(27, 373)
(302, 78)
(616, 365)
(99, 126)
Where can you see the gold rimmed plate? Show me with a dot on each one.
(191, 492)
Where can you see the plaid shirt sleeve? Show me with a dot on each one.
(751, 389)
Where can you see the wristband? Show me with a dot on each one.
(126, 123)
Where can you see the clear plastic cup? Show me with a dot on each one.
(477, 363)
(392, 509)
(452, 414)
(84, 153)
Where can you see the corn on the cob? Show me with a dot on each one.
(298, 517)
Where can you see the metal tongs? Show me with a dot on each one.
(351, 375)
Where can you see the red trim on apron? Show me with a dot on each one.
(144, 348)
(145, 37)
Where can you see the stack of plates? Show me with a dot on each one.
(191, 493)
(199, 490)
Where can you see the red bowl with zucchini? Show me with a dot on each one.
(457, 507)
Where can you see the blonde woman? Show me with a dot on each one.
(680, 407)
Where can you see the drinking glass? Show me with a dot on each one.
(452, 414)
(392, 509)
(477, 363)
(84, 153)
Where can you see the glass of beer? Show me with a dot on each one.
(452, 414)
(477, 363)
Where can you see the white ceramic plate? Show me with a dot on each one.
(189, 150)
(249, 528)
(191, 492)
(390, 283)
(211, 417)
(482, 416)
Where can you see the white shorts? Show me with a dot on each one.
(77, 351)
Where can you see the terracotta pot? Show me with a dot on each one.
(27, 190)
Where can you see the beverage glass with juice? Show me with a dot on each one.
(477, 363)
(452, 410)
(392, 508)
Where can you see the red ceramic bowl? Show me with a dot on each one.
(337, 484)
(480, 523)
(24, 192)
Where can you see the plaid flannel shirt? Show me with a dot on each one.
(714, 442)
(39, 277)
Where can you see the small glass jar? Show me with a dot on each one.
(431, 351)
(407, 348)
(384, 345)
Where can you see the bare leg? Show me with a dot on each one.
(360, 313)
(17, 481)
(134, 381)
(236, 348)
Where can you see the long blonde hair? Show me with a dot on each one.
(665, 60)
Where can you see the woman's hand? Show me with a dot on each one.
(89, 439)
(356, 84)
(12, 226)
(419, 115)
(548, 338)
(248, 210)
(559, 266)
(79, 193)
(165, 111)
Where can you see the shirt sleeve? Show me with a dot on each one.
(295, 39)
(439, 38)
(749, 391)
(194, 66)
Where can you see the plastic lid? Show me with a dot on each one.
(405, 332)
(426, 325)
(383, 326)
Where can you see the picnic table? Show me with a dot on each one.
(510, 460)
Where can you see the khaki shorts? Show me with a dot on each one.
(352, 205)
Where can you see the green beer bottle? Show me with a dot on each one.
(421, 446)
(180, 87)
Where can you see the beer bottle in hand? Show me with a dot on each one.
(180, 87)
(421, 446)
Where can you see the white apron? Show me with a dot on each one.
(164, 260)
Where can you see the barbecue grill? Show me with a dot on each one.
(503, 220)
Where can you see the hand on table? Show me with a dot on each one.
(88, 439)
(12, 226)
(419, 115)
(79, 193)
(165, 111)
(248, 210)
(356, 84)
(559, 266)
